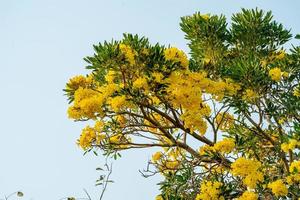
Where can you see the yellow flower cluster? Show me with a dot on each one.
(275, 74)
(168, 161)
(110, 76)
(119, 141)
(173, 158)
(205, 149)
(248, 196)
(117, 103)
(225, 146)
(129, 53)
(87, 137)
(87, 103)
(185, 91)
(294, 176)
(140, 83)
(291, 145)
(210, 191)
(194, 121)
(90, 135)
(176, 55)
(247, 169)
(79, 81)
(295, 167)
(185, 88)
(278, 188)
(224, 87)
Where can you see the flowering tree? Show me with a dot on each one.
(226, 120)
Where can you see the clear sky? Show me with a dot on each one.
(42, 43)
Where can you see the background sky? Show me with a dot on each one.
(42, 43)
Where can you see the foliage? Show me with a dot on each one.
(227, 119)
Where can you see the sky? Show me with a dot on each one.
(42, 45)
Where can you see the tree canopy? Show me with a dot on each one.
(226, 118)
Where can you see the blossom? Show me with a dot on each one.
(79, 81)
(176, 55)
(210, 191)
(128, 52)
(248, 169)
(291, 145)
(275, 74)
(243, 166)
(159, 197)
(278, 188)
(87, 103)
(157, 156)
(117, 103)
(88, 135)
(295, 167)
(248, 196)
(224, 146)
(139, 83)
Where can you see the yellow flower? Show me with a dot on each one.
(173, 164)
(139, 83)
(87, 103)
(210, 191)
(79, 81)
(248, 196)
(205, 149)
(205, 17)
(295, 167)
(98, 125)
(243, 167)
(157, 156)
(252, 179)
(157, 76)
(117, 103)
(291, 145)
(275, 74)
(176, 55)
(110, 76)
(194, 121)
(247, 169)
(87, 137)
(159, 197)
(128, 52)
(115, 139)
(224, 146)
(278, 188)
(285, 147)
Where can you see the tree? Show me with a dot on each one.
(226, 119)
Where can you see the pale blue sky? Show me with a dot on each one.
(42, 43)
